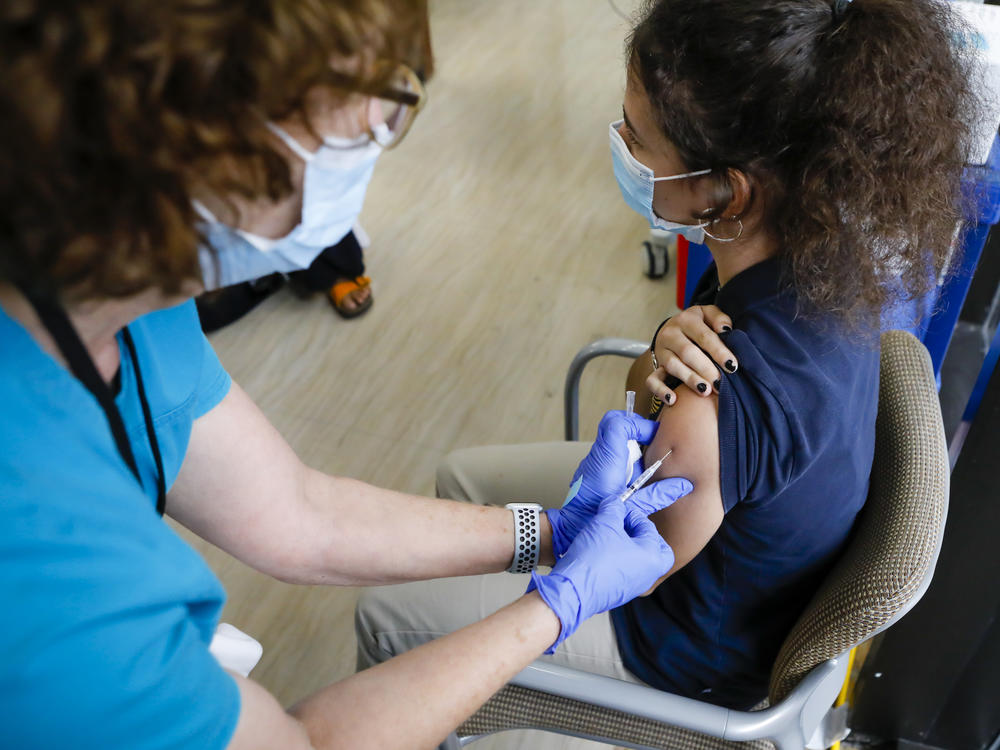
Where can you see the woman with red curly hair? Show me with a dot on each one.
(131, 131)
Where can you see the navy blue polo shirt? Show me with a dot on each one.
(796, 439)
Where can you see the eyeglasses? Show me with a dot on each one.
(388, 117)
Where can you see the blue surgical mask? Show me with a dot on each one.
(636, 182)
(333, 193)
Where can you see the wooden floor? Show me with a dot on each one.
(500, 246)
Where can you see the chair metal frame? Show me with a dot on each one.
(804, 718)
(790, 724)
(571, 391)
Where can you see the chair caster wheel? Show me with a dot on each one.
(655, 259)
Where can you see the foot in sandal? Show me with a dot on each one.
(351, 297)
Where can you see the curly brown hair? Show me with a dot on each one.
(853, 119)
(111, 110)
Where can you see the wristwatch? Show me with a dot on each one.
(526, 536)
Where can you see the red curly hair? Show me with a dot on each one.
(111, 110)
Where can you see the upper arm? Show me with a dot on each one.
(690, 429)
(240, 486)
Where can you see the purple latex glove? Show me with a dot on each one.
(615, 558)
(606, 470)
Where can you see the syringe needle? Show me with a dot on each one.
(644, 477)
(665, 457)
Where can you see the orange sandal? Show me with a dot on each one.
(339, 291)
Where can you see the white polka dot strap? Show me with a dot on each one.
(526, 534)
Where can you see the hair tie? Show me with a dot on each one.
(839, 9)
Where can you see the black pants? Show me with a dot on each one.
(221, 307)
(345, 260)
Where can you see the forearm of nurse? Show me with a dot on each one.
(427, 691)
(365, 535)
(242, 488)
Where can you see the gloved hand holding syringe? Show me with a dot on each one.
(613, 469)
(594, 494)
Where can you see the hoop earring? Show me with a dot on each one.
(739, 231)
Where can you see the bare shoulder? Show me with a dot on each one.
(690, 430)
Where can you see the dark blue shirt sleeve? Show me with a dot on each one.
(757, 444)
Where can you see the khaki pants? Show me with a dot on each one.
(394, 619)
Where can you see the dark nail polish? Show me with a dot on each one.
(717, 383)
(726, 329)
(702, 387)
(730, 365)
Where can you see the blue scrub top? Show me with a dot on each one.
(796, 441)
(109, 613)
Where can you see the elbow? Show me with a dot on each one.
(308, 545)
(314, 563)
(313, 732)
(300, 555)
(287, 566)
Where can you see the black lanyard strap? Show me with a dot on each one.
(58, 324)
(154, 444)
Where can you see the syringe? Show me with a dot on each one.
(643, 478)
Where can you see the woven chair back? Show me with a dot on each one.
(896, 539)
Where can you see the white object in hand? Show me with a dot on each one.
(235, 650)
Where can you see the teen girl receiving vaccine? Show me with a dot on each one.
(817, 147)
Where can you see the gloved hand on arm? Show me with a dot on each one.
(605, 471)
(614, 558)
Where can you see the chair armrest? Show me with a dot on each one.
(571, 393)
(799, 713)
(776, 722)
(627, 697)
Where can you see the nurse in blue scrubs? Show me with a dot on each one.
(131, 130)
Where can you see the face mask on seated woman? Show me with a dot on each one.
(336, 178)
(636, 181)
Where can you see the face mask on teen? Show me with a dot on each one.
(333, 192)
(636, 182)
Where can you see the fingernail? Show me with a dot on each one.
(702, 387)
(726, 329)
(730, 365)
(717, 383)
(668, 399)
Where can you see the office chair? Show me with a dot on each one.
(883, 572)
